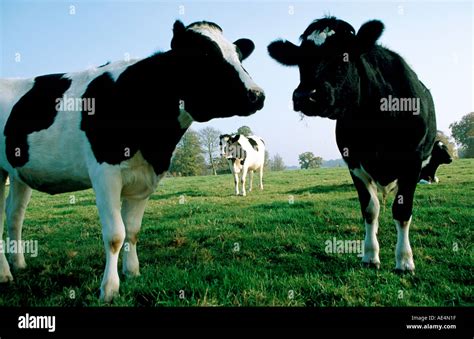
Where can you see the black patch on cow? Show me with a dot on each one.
(138, 112)
(253, 143)
(235, 138)
(35, 111)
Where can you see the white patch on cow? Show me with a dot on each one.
(228, 50)
(319, 37)
(371, 244)
(426, 161)
(403, 252)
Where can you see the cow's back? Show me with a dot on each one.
(47, 149)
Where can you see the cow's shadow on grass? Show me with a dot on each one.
(318, 189)
(282, 205)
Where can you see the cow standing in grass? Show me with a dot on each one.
(121, 138)
(440, 155)
(385, 116)
(245, 155)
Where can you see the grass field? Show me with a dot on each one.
(200, 245)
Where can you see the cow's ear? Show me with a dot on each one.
(368, 34)
(285, 52)
(178, 31)
(246, 47)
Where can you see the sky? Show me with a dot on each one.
(434, 37)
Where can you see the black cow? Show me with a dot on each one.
(385, 116)
(114, 128)
(440, 155)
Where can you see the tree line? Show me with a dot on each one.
(198, 152)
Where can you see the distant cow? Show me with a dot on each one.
(440, 155)
(385, 116)
(244, 154)
(114, 128)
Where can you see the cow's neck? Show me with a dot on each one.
(430, 169)
(149, 91)
(381, 75)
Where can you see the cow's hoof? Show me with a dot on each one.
(108, 297)
(131, 273)
(405, 263)
(244, 194)
(375, 265)
(19, 264)
(6, 278)
(109, 291)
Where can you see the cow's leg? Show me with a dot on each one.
(261, 177)
(236, 183)
(250, 181)
(132, 215)
(370, 207)
(5, 274)
(107, 186)
(243, 177)
(402, 213)
(17, 201)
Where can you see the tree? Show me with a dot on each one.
(309, 160)
(244, 130)
(267, 161)
(188, 159)
(445, 140)
(209, 138)
(463, 134)
(277, 163)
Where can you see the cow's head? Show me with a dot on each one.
(327, 58)
(224, 140)
(440, 153)
(231, 147)
(213, 82)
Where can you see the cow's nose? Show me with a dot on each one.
(298, 98)
(256, 96)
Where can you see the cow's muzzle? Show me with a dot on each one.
(312, 102)
(256, 98)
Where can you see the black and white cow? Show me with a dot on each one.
(385, 116)
(440, 155)
(245, 155)
(121, 138)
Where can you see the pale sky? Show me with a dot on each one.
(434, 37)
